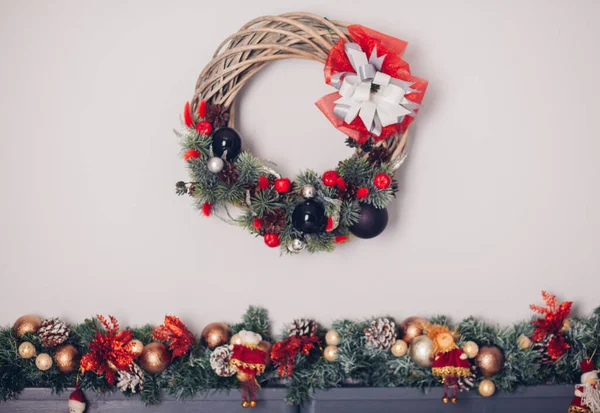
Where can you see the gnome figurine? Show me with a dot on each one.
(249, 360)
(587, 396)
(76, 401)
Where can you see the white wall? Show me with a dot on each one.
(499, 199)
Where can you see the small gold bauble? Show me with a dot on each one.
(235, 340)
(487, 388)
(471, 349)
(331, 353)
(566, 325)
(421, 351)
(215, 335)
(43, 361)
(245, 404)
(490, 360)
(136, 347)
(410, 328)
(252, 403)
(333, 338)
(266, 347)
(67, 358)
(523, 342)
(27, 350)
(445, 399)
(399, 348)
(155, 358)
(27, 324)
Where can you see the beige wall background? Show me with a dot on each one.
(499, 198)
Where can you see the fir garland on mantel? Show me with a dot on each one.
(357, 361)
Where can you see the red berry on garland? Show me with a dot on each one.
(341, 184)
(330, 178)
(329, 226)
(362, 193)
(272, 240)
(340, 239)
(187, 115)
(263, 183)
(206, 209)
(382, 181)
(257, 223)
(191, 154)
(202, 109)
(204, 128)
(283, 185)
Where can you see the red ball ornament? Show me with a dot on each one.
(382, 181)
(330, 178)
(204, 128)
(283, 185)
(362, 193)
(257, 223)
(191, 154)
(341, 184)
(263, 183)
(272, 240)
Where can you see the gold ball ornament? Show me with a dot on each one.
(421, 351)
(490, 360)
(252, 403)
(215, 335)
(27, 350)
(331, 353)
(155, 358)
(235, 340)
(27, 324)
(566, 325)
(410, 328)
(67, 358)
(487, 388)
(399, 348)
(471, 349)
(523, 342)
(333, 338)
(136, 347)
(43, 361)
(245, 404)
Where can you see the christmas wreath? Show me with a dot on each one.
(376, 100)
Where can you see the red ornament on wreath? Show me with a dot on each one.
(204, 127)
(257, 223)
(176, 334)
(382, 181)
(283, 185)
(263, 183)
(272, 240)
(191, 154)
(362, 193)
(330, 178)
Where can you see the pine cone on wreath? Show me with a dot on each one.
(229, 174)
(381, 334)
(303, 327)
(53, 332)
(273, 222)
(350, 193)
(541, 347)
(467, 383)
(217, 115)
(131, 380)
(220, 361)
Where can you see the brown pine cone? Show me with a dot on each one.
(53, 332)
(273, 222)
(217, 115)
(379, 155)
(229, 174)
(350, 192)
(303, 327)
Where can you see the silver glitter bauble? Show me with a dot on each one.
(309, 191)
(421, 351)
(297, 245)
(215, 165)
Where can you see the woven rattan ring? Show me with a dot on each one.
(374, 100)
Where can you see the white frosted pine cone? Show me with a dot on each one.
(381, 334)
(53, 332)
(219, 361)
(131, 380)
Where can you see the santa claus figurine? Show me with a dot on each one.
(76, 401)
(250, 362)
(449, 361)
(587, 396)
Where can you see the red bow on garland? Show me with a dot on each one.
(283, 353)
(174, 332)
(109, 352)
(551, 325)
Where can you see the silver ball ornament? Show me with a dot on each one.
(309, 191)
(297, 245)
(215, 165)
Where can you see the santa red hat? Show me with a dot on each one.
(76, 400)
(588, 370)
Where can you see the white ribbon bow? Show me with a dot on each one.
(377, 98)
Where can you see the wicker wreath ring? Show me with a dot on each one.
(375, 102)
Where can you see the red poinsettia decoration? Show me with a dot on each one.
(109, 351)
(174, 332)
(362, 70)
(551, 325)
(283, 353)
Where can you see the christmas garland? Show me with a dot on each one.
(376, 100)
(98, 355)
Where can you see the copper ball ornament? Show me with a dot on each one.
(27, 350)
(470, 348)
(399, 348)
(27, 324)
(67, 358)
(487, 388)
(136, 347)
(43, 361)
(331, 353)
(215, 335)
(155, 358)
(490, 360)
(410, 328)
(333, 338)
(523, 342)
(421, 351)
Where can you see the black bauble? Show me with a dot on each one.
(226, 139)
(309, 217)
(371, 223)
